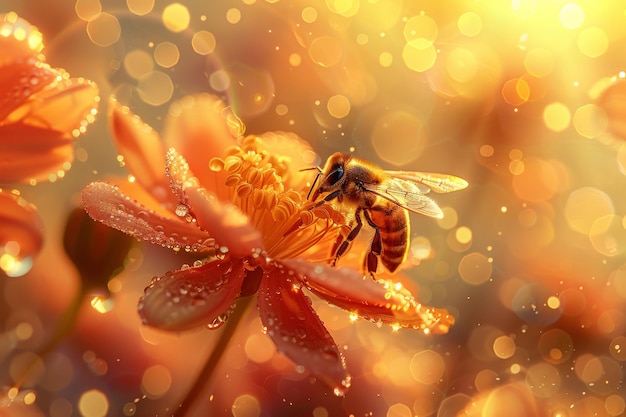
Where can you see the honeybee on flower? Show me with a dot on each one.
(383, 199)
(240, 203)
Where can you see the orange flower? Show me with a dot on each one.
(239, 202)
(41, 108)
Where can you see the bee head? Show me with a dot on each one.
(332, 174)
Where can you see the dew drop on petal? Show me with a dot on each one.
(181, 210)
(217, 322)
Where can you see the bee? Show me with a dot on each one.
(384, 199)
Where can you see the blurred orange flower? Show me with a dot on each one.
(41, 108)
(240, 203)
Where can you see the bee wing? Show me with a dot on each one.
(441, 183)
(407, 194)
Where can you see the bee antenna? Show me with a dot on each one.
(319, 172)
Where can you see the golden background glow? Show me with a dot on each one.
(526, 99)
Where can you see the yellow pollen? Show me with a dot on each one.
(253, 179)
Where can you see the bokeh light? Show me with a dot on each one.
(93, 403)
(176, 17)
(203, 42)
(525, 99)
(104, 29)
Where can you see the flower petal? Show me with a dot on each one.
(21, 233)
(19, 81)
(68, 105)
(380, 301)
(32, 153)
(225, 222)
(193, 296)
(201, 127)
(18, 38)
(181, 177)
(297, 330)
(142, 150)
(104, 202)
(22, 71)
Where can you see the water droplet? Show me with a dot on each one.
(143, 215)
(217, 322)
(181, 210)
(300, 331)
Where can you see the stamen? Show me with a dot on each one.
(254, 177)
(255, 182)
(232, 180)
(258, 198)
(243, 190)
(216, 164)
(233, 164)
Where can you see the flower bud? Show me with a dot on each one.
(97, 251)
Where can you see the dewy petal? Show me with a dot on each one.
(198, 127)
(22, 72)
(18, 39)
(32, 153)
(21, 233)
(379, 301)
(297, 331)
(68, 105)
(19, 81)
(192, 296)
(142, 150)
(181, 177)
(225, 222)
(104, 202)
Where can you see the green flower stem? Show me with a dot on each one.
(204, 377)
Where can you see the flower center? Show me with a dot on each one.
(253, 179)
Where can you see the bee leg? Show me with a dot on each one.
(335, 194)
(335, 248)
(343, 247)
(370, 263)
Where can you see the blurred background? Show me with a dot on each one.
(523, 98)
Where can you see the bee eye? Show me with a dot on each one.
(335, 175)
